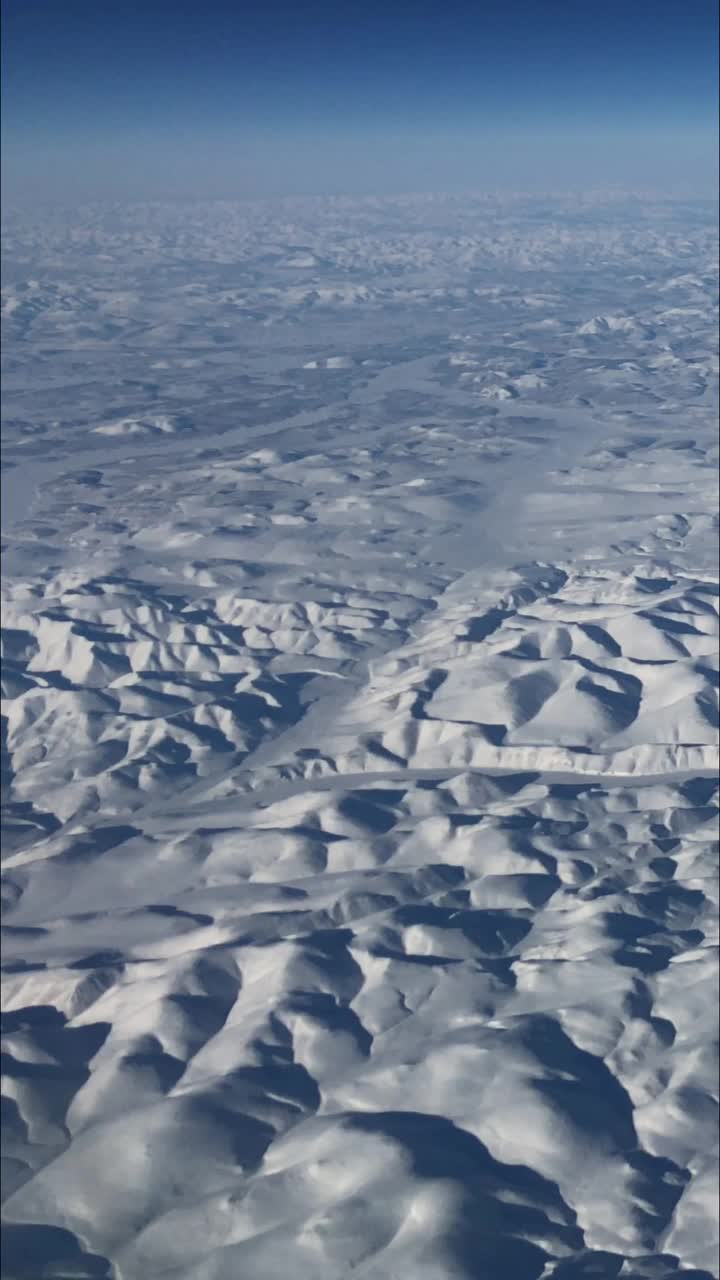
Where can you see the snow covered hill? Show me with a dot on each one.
(360, 649)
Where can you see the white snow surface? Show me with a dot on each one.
(360, 649)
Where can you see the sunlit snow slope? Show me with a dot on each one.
(360, 741)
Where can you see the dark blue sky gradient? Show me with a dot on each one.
(211, 78)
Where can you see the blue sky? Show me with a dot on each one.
(194, 97)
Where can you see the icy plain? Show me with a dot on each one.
(360, 740)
